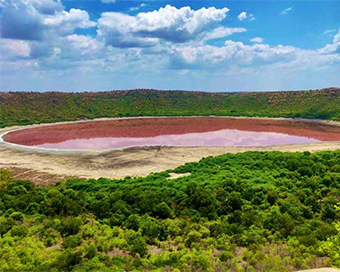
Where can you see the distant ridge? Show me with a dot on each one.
(22, 108)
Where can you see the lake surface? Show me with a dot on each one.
(225, 137)
(184, 131)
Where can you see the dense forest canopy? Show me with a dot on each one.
(253, 211)
(22, 108)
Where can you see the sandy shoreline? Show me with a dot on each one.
(42, 166)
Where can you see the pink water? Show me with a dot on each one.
(225, 137)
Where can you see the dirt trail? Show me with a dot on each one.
(141, 161)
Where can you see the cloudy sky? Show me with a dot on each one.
(92, 45)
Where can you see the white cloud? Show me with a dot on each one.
(173, 39)
(179, 25)
(286, 11)
(333, 48)
(330, 49)
(138, 7)
(242, 16)
(329, 31)
(118, 30)
(221, 32)
(69, 21)
(40, 19)
(231, 54)
(80, 46)
(256, 40)
(12, 49)
(73, 47)
(134, 8)
(168, 24)
(251, 17)
(236, 55)
(108, 1)
(336, 38)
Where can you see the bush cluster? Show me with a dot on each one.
(253, 211)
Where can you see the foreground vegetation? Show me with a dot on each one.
(23, 108)
(253, 211)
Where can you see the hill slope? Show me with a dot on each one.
(251, 211)
(31, 107)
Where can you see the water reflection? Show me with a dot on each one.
(225, 137)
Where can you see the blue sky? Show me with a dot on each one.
(97, 45)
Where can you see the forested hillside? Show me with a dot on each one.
(20, 108)
(251, 211)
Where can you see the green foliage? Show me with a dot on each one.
(20, 231)
(56, 106)
(332, 246)
(252, 211)
(163, 210)
(72, 241)
(137, 244)
(17, 216)
(71, 226)
(132, 222)
(5, 224)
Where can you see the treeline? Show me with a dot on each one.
(22, 108)
(253, 211)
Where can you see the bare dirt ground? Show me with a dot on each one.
(47, 167)
(321, 270)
